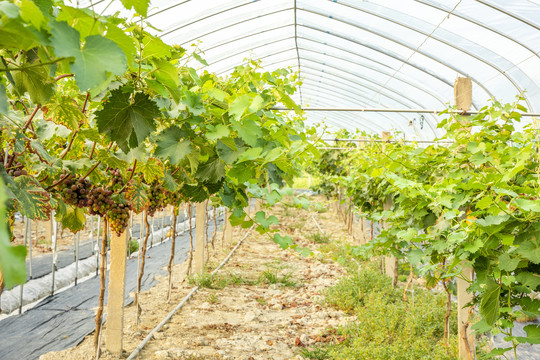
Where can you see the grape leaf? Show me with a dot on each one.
(194, 102)
(64, 111)
(248, 130)
(155, 47)
(211, 171)
(4, 105)
(489, 306)
(528, 205)
(13, 34)
(137, 196)
(123, 41)
(152, 169)
(140, 6)
(173, 145)
(71, 217)
(12, 258)
(31, 13)
(36, 82)
(533, 334)
(283, 241)
(507, 263)
(169, 183)
(98, 57)
(219, 131)
(260, 217)
(124, 120)
(239, 106)
(530, 249)
(33, 201)
(200, 59)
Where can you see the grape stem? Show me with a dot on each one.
(130, 177)
(58, 182)
(70, 144)
(92, 169)
(63, 76)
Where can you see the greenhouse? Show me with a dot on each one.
(269, 179)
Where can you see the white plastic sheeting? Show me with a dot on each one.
(369, 53)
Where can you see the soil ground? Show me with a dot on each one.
(271, 308)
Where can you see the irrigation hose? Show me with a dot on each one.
(183, 302)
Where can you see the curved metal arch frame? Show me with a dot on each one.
(397, 41)
(391, 120)
(508, 13)
(478, 23)
(447, 43)
(343, 124)
(338, 95)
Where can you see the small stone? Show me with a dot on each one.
(162, 354)
(158, 335)
(250, 316)
(277, 307)
(304, 339)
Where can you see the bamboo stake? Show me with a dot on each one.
(190, 263)
(141, 271)
(171, 259)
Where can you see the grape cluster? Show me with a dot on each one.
(100, 201)
(157, 198)
(117, 182)
(172, 198)
(75, 191)
(118, 217)
(16, 169)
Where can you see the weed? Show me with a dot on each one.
(315, 354)
(133, 246)
(320, 238)
(261, 300)
(218, 281)
(271, 276)
(212, 298)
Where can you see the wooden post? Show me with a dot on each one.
(200, 231)
(117, 285)
(467, 346)
(228, 227)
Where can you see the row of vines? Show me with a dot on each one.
(99, 116)
(471, 201)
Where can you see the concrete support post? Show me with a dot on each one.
(228, 228)
(117, 285)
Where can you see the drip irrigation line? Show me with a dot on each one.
(183, 302)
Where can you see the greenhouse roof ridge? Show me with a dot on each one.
(372, 54)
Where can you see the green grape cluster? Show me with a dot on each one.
(74, 191)
(157, 198)
(118, 217)
(100, 201)
(172, 198)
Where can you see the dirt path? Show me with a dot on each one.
(266, 302)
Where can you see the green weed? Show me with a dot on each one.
(320, 238)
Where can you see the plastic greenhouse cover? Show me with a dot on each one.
(370, 53)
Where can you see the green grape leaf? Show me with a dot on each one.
(93, 63)
(528, 279)
(9, 9)
(256, 104)
(13, 34)
(194, 102)
(32, 200)
(530, 249)
(248, 130)
(194, 193)
(533, 334)
(31, 13)
(172, 144)
(528, 205)
(71, 217)
(260, 217)
(4, 104)
(219, 131)
(12, 258)
(217, 94)
(211, 171)
(140, 6)
(489, 306)
(239, 106)
(283, 241)
(123, 41)
(64, 111)
(124, 120)
(200, 59)
(38, 147)
(36, 82)
(166, 73)
(138, 198)
(108, 158)
(152, 169)
(169, 183)
(155, 47)
(507, 263)
(226, 153)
